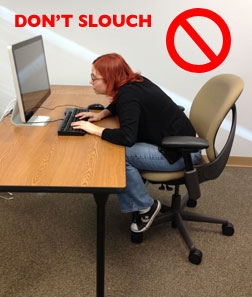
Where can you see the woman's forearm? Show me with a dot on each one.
(105, 113)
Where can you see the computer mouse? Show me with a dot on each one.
(96, 106)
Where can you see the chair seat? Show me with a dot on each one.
(155, 176)
(165, 176)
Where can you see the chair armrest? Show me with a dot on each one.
(184, 142)
(185, 145)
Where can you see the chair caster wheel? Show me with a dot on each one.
(195, 257)
(191, 203)
(228, 229)
(136, 237)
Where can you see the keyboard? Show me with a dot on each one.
(65, 127)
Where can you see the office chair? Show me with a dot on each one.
(209, 108)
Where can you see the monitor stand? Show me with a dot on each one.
(34, 121)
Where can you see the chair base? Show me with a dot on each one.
(176, 215)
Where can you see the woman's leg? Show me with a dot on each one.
(146, 157)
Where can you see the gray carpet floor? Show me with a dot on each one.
(48, 246)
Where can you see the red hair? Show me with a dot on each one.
(115, 72)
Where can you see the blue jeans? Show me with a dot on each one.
(144, 156)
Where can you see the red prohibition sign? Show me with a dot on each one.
(181, 20)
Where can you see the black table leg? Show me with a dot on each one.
(100, 200)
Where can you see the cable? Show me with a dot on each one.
(60, 106)
(11, 197)
(4, 116)
(8, 110)
(63, 105)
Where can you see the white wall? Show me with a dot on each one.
(70, 51)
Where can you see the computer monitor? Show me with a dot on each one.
(28, 64)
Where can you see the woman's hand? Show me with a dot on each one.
(88, 127)
(92, 116)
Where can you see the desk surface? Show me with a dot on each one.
(37, 159)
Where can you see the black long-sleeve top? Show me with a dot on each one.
(146, 114)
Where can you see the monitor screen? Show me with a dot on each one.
(30, 76)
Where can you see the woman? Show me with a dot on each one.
(146, 115)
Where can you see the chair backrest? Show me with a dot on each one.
(212, 104)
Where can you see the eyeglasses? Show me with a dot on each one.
(94, 78)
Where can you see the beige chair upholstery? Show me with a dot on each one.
(209, 108)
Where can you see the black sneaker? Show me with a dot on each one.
(142, 222)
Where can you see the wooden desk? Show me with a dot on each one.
(36, 159)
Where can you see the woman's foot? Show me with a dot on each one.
(143, 221)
